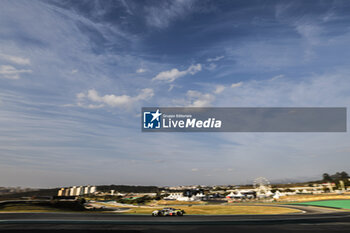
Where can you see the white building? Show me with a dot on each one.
(92, 190)
(61, 192)
(87, 189)
(174, 196)
(180, 197)
(73, 191)
(77, 191)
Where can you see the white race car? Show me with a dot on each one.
(168, 212)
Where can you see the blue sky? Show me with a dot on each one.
(75, 74)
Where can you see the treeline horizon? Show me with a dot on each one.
(326, 177)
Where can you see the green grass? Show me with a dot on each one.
(41, 207)
(220, 210)
(27, 208)
(343, 204)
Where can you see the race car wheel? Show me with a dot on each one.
(179, 214)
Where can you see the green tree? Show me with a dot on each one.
(344, 175)
(326, 177)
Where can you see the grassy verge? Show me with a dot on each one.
(343, 204)
(42, 207)
(28, 208)
(189, 209)
(315, 197)
(175, 202)
(220, 210)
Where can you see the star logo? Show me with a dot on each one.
(156, 115)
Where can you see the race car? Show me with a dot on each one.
(168, 212)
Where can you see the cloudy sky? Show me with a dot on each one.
(75, 74)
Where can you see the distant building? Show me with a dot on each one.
(66, 192)
(61, 192)
(73, 191)
(92, 190)
(87, 189)
(174, 196)
(187, 195)
(77, 191)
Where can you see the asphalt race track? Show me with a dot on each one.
(313, 219)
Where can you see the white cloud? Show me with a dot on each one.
(211, 66)
(164, 13)
(173, 74)
(10, 72)
(310, 32)
(219, 89)
(169, 75)
(80, 95)
(171, 87)
(264, 55)
(317, 90)
(198, 99)
(111, 100)
(194, 169)
(141, 70)
(74, 71)
(14, 59)
(218, 58)
(277, 77)
(234, 85)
